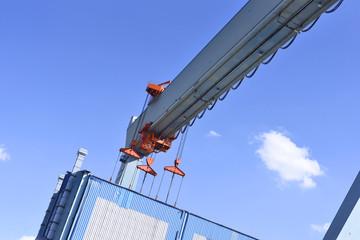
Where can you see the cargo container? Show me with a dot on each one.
(87, 207)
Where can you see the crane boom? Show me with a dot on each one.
(258, 30)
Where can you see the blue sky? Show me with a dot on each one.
(73, 72)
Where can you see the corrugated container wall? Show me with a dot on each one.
(102, 210)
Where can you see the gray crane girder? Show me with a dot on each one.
(259, 29)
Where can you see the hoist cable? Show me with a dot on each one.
(184, 128)
(117, 160)
(178, 155)
(202, 114)
(271, 58)
(177, 197)
(177, 134)
(193, 121)
(179, 148)
(143, 182)
(221, 98)
(183, 144)
(336, 7)
(162, 178)
(252, 74)
(313, 23)
(289, 44)
(238, 84)
(210, 107)
(122, 175)
(151, 186)
(172, 179)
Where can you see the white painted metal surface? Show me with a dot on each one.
(109, 221)
(79, 160)
(199, 237)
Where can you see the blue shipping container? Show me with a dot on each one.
(91, 208)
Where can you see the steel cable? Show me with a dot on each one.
(177, 197)
(239, 83)
(177, 134)
(152, 184)
(183, 144)
(212, 106)
(313, 23)
(336, 7)
(289, 44)
(202, 114)
(180, 144)
(253, 73)
(221, 98)
(162, 178)
(184, 129)
(271, 58)
(117, 160)
(194, 119)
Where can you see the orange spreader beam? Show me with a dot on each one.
(130, 151)
(175, 169)
(147, 168)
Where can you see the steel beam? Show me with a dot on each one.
(259, 29)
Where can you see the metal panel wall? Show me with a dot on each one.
(108, 211)
(110, 221)
(197, 228)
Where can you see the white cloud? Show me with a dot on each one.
(320, 228)
(291, 162)
(212, 133)
(27, 238)
(4, 156)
